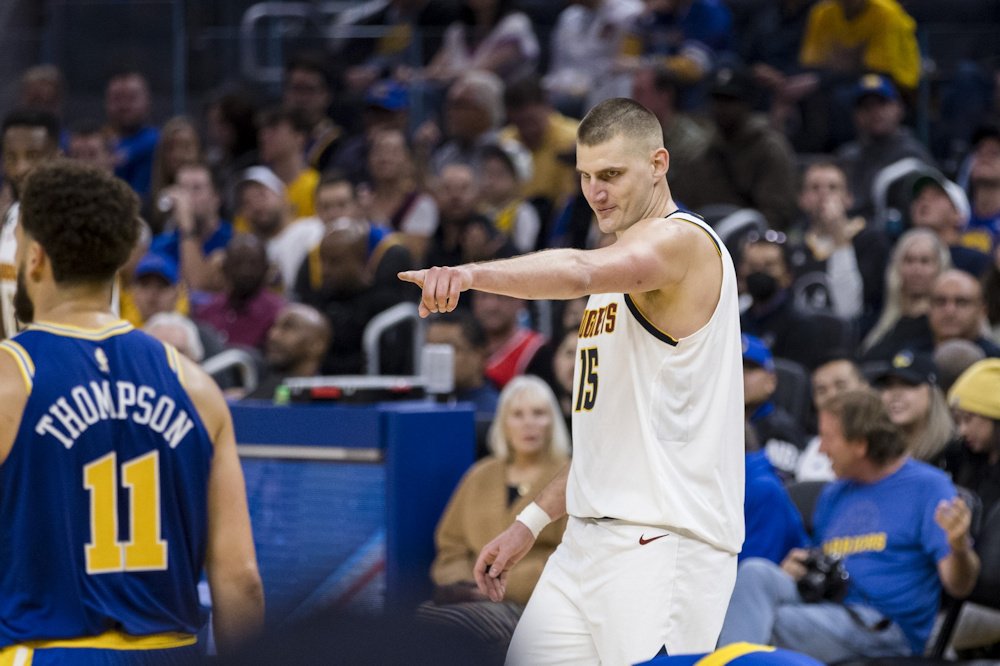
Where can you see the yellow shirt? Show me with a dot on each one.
(302, 193)
(551, 178)
(882, 38)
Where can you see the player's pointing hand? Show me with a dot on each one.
(441, 287)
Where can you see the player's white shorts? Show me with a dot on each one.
(616, 593)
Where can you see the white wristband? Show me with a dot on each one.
(534, 518)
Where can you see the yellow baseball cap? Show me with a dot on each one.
(977, 390)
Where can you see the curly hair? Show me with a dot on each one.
(86, 220)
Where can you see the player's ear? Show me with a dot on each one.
(36, 259)
(660, 162)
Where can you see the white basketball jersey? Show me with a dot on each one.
(8, 271)
(658, 423)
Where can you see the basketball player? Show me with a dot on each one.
(119, 479)
(655, 488)
(29, 138)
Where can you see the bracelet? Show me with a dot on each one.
(534, 518)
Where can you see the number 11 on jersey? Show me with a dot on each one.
(586, 390)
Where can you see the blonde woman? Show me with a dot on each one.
(918, 258)
(529, 445)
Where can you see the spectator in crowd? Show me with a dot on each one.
(747, 164)
(348, 298)
(975, 397)
(952, 358)
(177, 330)
(283, 136)
(42, 88)
(509, 343)
(918, 258)
(850, 37)
(916, 405)
(771, 40)
(841, 262)
(502, 202)
(89, 143)
(179, 144)
(386, 105)
(296, 345)
(836, 374)
(866, 517)
(198, 235)
(687, 36)
(958, 311)
(586, 41)
(787, 330)
(779, 437)
(490, 35)
(244, 312)
(393, 198)
(231, 136)
(529, 445)
(940, 205)
(27, 139)
(881, 138)
(984, 183)
(687, 139)
(127, 105)
(546, 134)
(155, 288)
(308, 91)
(263, 204)
(473, 112)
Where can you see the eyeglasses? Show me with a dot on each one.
(960, 302)
(768, 236)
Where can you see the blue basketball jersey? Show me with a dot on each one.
(104, 496)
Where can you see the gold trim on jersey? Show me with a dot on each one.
(23, 360)
(174, 361)
(94, 334)
(731, 653)
(645, 322)
(8, 272)
(109, 640)
(707, 232)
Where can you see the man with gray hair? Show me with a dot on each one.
(179, 331)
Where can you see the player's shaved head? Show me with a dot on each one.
(624, 117)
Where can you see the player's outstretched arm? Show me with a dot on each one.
(500, 555)
(231, 563)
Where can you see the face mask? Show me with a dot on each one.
(761, 286)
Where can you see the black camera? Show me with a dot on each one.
(825, 579)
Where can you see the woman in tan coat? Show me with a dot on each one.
(530, 445)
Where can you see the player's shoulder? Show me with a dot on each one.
(202, 390)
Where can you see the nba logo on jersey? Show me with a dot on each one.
(102, 360)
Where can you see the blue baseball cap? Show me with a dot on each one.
(387, 95)
(157, 264)
(875, 84)
(756, 351)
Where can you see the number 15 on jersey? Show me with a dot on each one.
(586, 390)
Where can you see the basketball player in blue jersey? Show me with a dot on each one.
(119, 478)
(655, 488)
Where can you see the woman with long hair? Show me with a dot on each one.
(530, 445)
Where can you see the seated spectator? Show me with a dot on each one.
(501, 197)
(154, 288)
(773, 315)
(230, 136)
(127, 105)
(393, 198)
(942, 207)
(975, 398)
(179, 144)
(177, 330)
(529, 445)
(748, 163)
(200, 234)
(773, 523)
(687, 36)
(778, 435)
(881, 138)
(261, 202)
(984, 186)
(491, 36)
(296, 346)
(460, 330)
(917, 260)
(283, 135)
(386, 105)
(245, 310)
(307, 90)
(952, 358)
(916, 405)
(586, 41)
(42, 88)
(958, 311)
(510, 345)
(546, 134)
(867, 518)
(90, 144)
(836, 374)
(473, 112)
(840, 265)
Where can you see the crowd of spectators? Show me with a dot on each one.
(864, 257)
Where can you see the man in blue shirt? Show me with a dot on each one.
(902, 535)
(127, 105)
